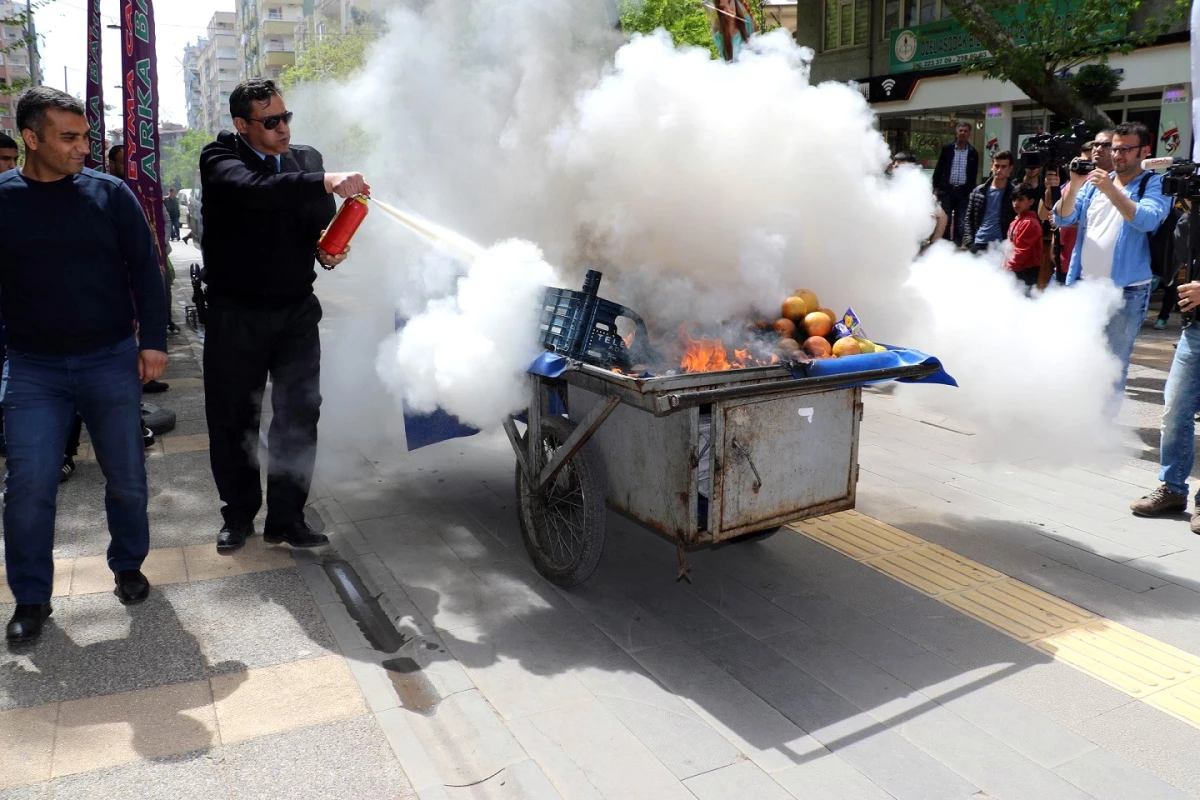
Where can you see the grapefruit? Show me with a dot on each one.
(817, 347)
(817, 324)
(846, 346)
(785, 328)
(788, 347)
(810, 299)
(829, 313)
(794, 308)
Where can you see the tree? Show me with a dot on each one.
(334, 56)
(181, 162)
(685, 20)
(1032, 44)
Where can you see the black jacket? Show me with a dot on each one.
(261, 228)
(976, 207)
(941, 173)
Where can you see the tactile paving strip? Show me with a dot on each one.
(1141, 667)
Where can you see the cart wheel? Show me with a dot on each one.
(564, 529)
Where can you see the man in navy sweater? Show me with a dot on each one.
(82, 298)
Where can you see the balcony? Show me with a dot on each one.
(279, 27)
(279, 58)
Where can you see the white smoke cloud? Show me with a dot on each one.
(705, 191)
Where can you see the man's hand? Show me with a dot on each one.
(346, 184)
(1189, 296)
(1052, 179)
(329, 262)
(151, 364)
(1099, 178)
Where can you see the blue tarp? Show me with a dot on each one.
(422, 430)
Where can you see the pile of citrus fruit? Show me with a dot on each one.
(804, 325)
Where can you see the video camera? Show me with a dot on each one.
(1180, 179)
(1051, 150)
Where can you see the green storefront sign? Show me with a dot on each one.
(946, 43)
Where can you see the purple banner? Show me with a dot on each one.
(95, 90)
(139, 66)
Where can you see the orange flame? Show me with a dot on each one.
(710, 355)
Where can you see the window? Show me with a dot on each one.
(907, 13)
(846, 23)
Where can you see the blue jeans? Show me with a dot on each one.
(1122, 331)
(1182, 400)
(40, 396)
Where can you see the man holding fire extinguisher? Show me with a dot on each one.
(266, 204)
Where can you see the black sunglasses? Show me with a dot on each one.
(272, 122)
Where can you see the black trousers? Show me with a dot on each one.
(954, 203)
(242, 347)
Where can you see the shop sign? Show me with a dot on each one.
(1175, 122)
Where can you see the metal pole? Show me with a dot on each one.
(65, 89)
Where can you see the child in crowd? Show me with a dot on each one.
(1025, 233)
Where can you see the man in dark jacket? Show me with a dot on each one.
(265, 205)
(989, 210)
(953, 179)
(86, 318)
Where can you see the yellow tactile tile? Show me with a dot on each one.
(203, 562)
(1122, 657)
(26, 745)
(185, 444)
(857, 536)
(64, 569)
(1021, 611)
(1181, 701)
(934, 570)
(100, 732)
(287, 697)
(163, 565)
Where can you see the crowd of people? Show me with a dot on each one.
(84, 297)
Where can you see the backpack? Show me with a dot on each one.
(1162, 262)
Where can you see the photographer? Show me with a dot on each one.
(1100, 152)
(1112, 243)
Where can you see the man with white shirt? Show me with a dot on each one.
(1115, 213)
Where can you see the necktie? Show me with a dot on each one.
(275, 163)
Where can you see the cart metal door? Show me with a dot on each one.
(783, 458)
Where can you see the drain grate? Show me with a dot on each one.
(374, 623)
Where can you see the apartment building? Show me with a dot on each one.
(266, 32)
(905, 56)
(192, 94)
(14, 66)
(323, 17)
(218, 70)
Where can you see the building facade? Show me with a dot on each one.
(266, 32)
(322, 17)
(904, 56)
(14, 66)
(218, 71)
(192, 94)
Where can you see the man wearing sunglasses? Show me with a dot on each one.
(1115, 212)
(266, 202)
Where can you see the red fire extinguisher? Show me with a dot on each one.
(345, 223)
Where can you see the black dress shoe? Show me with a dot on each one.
(154, 387)
(299, 535)
(132, 587)
(233, 535)
(26, 622)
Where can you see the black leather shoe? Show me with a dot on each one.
(298, 536)
(154, 387)
(233, 536)
(132, 587)
(26, 622)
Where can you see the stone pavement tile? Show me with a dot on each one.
(1123, 575)
(198, 774)
(400, 529)
(340, 759)
(523, 781)
(517, 672)
(251, 621)
(36, 791)
(744, 607)
(861, 634)
(184, 443)
(829, 777)
(625, 621)
(108, 730)
(878, 502)
(446, 592)
(26, 744)
(374, 499)
(163, 565)
(970, 695)
(286, 697)
(418, 767)
(1106, 777)
(590, 739)
(1178, 568)
(759, 731)
(465, 739)
(882, 755)
(684, 743)
(64, 570)
(1151, 740)
(112, 648)
(29, 673)
(470, 542)
(570, 778)
(538, 604)
(743, 779)
(204, 563)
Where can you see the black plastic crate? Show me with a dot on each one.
(583, 325)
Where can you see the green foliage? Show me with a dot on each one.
(1095, 83)
(335, 57)
(181, 162)
(685, 20)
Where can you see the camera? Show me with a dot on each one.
(1052, 150)
(1181, 180)
(1082, 166)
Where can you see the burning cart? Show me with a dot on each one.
(699, 458)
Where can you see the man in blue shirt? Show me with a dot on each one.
(1115, 213)
(83, 305)
(989, 210)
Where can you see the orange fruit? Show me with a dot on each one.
(794, 308)
(846, 346)
(810, 299)
(829, 313)
(788, 347)
(785, 328)
(817, 347)
(817, 324)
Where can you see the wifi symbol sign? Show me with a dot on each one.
(888, 84)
